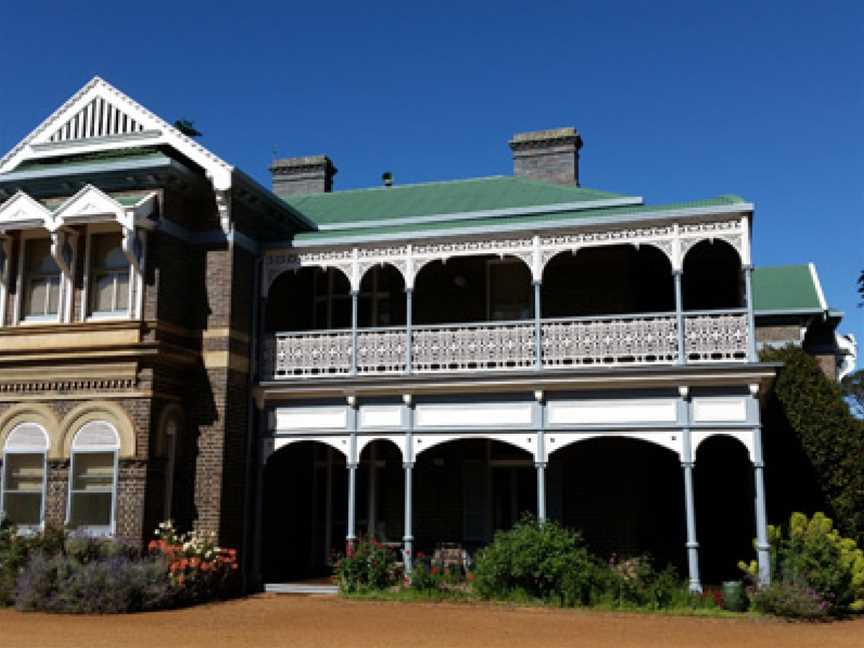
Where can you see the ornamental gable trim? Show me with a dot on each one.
(99, 118)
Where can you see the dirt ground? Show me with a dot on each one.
(277, 621)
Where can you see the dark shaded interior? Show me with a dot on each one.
(724, 503)
(611, 280)
(473, 289)
(381, 301)
(309, 299)
(295, 545)
(615, 280)
(712, 277)
(625, 496)
(466, 490)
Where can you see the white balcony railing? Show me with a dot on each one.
(652, 339)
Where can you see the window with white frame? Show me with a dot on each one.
(109, 275)
(41, 280)
(93, 478)
(22, 487)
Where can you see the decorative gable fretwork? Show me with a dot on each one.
(99, 118)
(673, 239)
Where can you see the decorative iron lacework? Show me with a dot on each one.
(643, 340)
(535, 251)
(572, 342)
(310, 354)
(381, 351)
(471, 347)
(715, 338)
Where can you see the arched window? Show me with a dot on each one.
(93, 478)
(109, 275)
(169, 449)
(22, 488)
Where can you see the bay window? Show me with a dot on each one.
(109, 275)
(41, 281)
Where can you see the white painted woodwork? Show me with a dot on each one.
(719, 409)
(473, 415)
(744, 436)
(337, 442)
(380, 416)
(615, 411)
(299, 419)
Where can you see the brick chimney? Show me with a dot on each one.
(547, 155)
(302, 175)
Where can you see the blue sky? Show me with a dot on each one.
(674, 100)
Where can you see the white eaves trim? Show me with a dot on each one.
(818, 285)
(660, 214)
(41, 142)
(627, 201)
(87, 206)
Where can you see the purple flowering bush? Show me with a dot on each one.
(791, 600)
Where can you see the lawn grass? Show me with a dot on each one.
(408, 595)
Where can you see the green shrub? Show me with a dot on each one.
(812, 555)
(635, 582)
(814, 446)
(538, 559)
(786, 598)
(370, 565)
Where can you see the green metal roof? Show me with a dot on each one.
(437, 198)
(787, 288)
(125, 198)
(70, 162)
(540, 220)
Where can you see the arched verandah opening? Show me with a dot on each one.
(309, 299)
(381, 300)
(466, 489)
(304, 511)
(712, 277)
(625, 496)
(478, 288)
(380, 502)
(609, 280)
(725, 522)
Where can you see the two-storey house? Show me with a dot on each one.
(295, 368)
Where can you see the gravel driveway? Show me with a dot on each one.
(275, 621)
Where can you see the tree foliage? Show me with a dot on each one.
(853, 387)
(810, 429)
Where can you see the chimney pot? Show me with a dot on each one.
(302, 175)
(547, 155)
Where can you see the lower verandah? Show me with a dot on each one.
(625, 496)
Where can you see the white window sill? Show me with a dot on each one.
(93, 531)
(101, 317)
(32, 320)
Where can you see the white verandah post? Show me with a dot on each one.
(351, 535)
(687, 460)
(408, 465)
(679, 317)
(540, 458)
(763, 547)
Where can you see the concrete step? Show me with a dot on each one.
(307, 589)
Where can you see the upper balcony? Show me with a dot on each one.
(659, 296)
